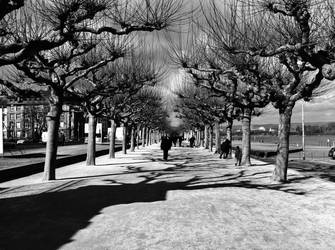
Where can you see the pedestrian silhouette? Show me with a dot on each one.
(192, 139)
(238, 156)
(166, 144)
(225, 148)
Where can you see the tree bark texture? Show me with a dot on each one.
(91, 143)
(53, 118)
(246, 144)
(132, 139)
(112, 140)
(124, 140)
(280, 172)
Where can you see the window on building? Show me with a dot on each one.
(11, 117)
(26, 125)
(18, 125)
(12, 108)
(18, 116)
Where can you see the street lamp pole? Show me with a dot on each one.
(303, 130)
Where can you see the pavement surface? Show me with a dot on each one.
(192, 201)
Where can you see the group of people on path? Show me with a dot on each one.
(225, 148)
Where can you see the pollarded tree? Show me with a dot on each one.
(54, 24)
(299, 54)
(58, 71)
(237, 79)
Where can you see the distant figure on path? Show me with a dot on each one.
(225, 148)
(174, 140)
(192, 139)
(238, 156)
(180, 140)
(166, 144)
(62, 138)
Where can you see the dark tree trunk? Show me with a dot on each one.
(137, 138)
(143, 136)
(70, 124)
(211, 138)
(217, 138)
(246, 144)
(147, 136)
(202, 137)
(91, 143)
(280, 171)
(112, 140)
(124, 141)
(53, 118)
(228, 133)
(132, 139)
(206, 137)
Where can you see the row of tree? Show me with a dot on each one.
(87, 53)
(247, 54)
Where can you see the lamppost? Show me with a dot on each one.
(303, 130)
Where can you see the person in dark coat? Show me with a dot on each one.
(192, 139)
(166, 144)
(238, 156)
(180, 139)
(225, 148)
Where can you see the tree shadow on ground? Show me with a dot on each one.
(49, 220)
(321, 170)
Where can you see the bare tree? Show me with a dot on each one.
(299, 54)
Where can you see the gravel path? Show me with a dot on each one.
(192, 201)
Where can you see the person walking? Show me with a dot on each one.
(238, 156)
(225, 148)
(166, 144)
(192, 139)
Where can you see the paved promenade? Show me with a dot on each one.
(192, 201)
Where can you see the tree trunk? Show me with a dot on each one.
(211, 138)
(246, 144)
(91, 143)
(202, 138)
(143, 136)
(132, 139)
(112, 140)
(206, 137)
(124, 141)
(53, 118)
(229, 134)
(217, 138)
(280, 171)
(147, 136)
(137, 138)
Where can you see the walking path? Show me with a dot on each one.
(192, 201)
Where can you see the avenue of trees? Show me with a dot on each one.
(61, 50)
(237, 57)
(253, 53)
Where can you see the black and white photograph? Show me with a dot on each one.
(167, 124)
